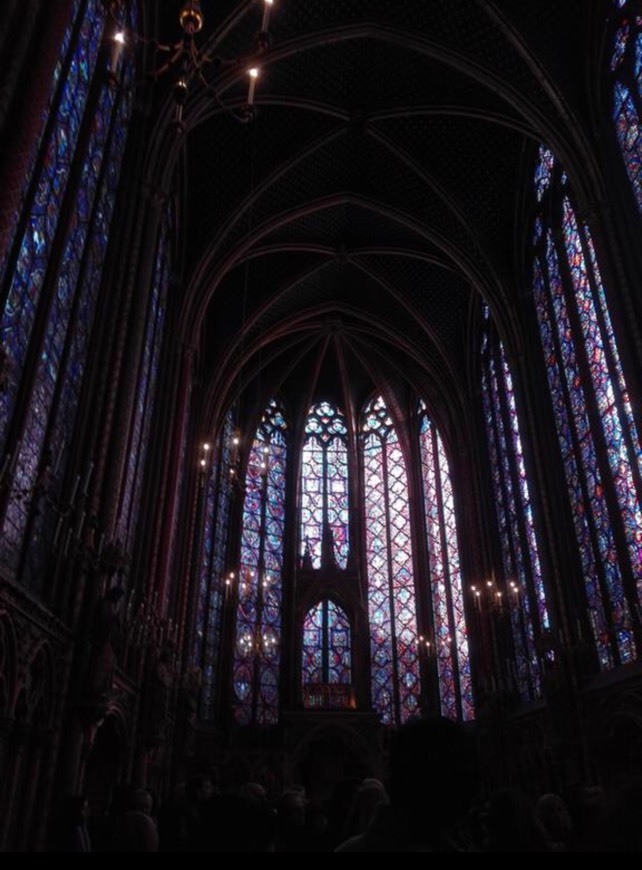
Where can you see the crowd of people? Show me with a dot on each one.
(430, 801)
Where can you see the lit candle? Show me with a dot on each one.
(117, 47)
(253, 73)
(267, 6)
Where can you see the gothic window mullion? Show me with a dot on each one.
(494, 397)
(325, 647)
(596, 433)
(390, 570)
(445, 555)
(523, 562)
(258, 627)
(498, 420)
(576, 453)
(515, 483)
(213, 635)
(324, 479)
(208, 592)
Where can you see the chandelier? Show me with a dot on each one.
(185, 61)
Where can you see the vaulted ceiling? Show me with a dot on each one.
(346, 233)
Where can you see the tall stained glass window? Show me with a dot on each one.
(257, 650)
(65, 58)
(523, 586)
(52, 273)
(391, 591)
(626, 72)
(324, 483)
(598, 440)
(327, 654)
(211, 580)
(449, 623)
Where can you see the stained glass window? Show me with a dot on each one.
(450, 634)
(324, 483)
(391, 591)
(597, 435)
(523, 587)
(60, 70)
(257, 651)
(24, 282)
(77, 178)
(211, 579)
(327, 655)
(626, 72)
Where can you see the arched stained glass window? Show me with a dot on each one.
(327, 654)
(391, 591)
(626, 70)
(523, 586)
(211, 579)
(596, 431)
(53, 273)
(324, 483)
(258, 621)
(449, 623)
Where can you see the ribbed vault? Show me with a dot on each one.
(377, 195)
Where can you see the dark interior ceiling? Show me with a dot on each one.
(345, 236)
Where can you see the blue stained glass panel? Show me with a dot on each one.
(23, 295)
(590, 348)
(391, 594)
(324, 483)
(258, 616)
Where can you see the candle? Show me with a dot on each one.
(253, 77)
(117, 47)
(267, 6)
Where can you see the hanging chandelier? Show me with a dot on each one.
(185, 61)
